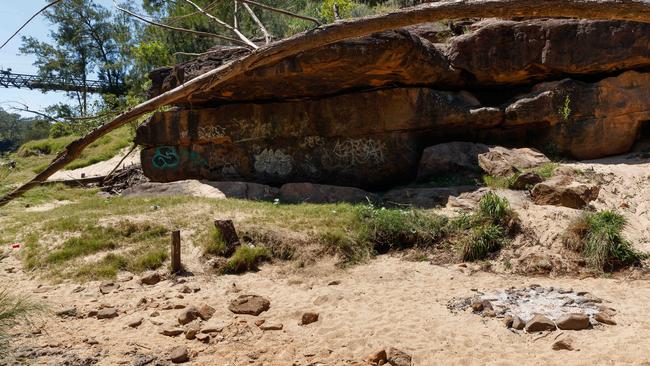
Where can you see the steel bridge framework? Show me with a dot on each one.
(9, 79)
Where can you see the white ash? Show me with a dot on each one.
(527, 302)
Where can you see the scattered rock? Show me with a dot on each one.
(604, 318)
(69, 312)
(563, 344)
(185, 289)
(540, 323)
(172, 332)
(517, 323)
(271, 326)
(563, 191)
(213, 326)
(249, 304)
(187, 315)
(191, 332)
(573, 322)
(107, 313)
(202, 337)
(334, 283)
(308, 318)
(206, 311)
(508, 320)
(502, 162)
(377, 358)
(107, 287)
(78, 289)
(150, 278)
(134, 322)
(477, 306)
(179, 354)
(527, 180)
(260, 322)
(397, 357)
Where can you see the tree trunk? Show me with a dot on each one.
(634, 10)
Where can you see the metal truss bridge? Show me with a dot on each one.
(12, 80)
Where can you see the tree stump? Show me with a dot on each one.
(229, 235)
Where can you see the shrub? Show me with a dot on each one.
(496, 210)
(598, 237)
(246, 258)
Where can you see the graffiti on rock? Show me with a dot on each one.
(169, 157)
(274, 162)
(211, 131)
(165, 157)
(359, 151)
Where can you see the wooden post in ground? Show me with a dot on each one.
(176, 251)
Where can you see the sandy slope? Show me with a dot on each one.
(101, 168)
(388, 302)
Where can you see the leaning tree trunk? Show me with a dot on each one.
(633, 10)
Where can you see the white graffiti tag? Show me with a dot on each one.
(273, 162)
(360, 151)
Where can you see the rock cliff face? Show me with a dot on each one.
(360, 112)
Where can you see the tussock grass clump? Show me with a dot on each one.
(489, 228)
(13, 310)
(390, 229)
(247, 258)
(598, 237)
(545, 171)
(214, 243)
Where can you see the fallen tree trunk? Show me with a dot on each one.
(632, 10)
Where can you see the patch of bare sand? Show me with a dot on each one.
(387, 302)
(100, 169)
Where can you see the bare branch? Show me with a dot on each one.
(29, 20)
(199, 33)
(224, 24)
(281, 11)
(175, 19)
(267, 36)
(234, 16)
(25, 108)
(630, 10)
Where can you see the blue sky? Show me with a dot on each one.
(13, 16)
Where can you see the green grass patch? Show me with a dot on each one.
(214, 243)
(247, 258)
(545, 171)
(598, 237)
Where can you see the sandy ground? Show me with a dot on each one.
(100, 169)
(388, 302)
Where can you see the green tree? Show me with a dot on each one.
(88, 42)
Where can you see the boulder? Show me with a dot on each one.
(573, 322)
(190, 187)
(397, 357)
(450, 158)
(526, 180)
(274, 143)
(502, 162)
(502, 52)
(318, 193)
(582, 119)
(246, 190)
(564, 191)
(421, 197)
(396, 57)
(249, 304)
(539, 323)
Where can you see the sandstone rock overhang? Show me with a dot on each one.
(360, 112)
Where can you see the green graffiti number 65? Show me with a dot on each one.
(165, 157)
